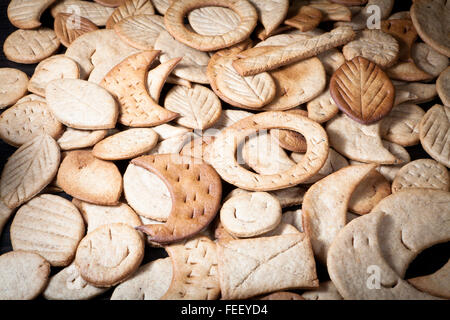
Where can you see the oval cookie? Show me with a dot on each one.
(48, 225)
(81, 104)
(126, 144)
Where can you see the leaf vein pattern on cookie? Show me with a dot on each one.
(259, 263)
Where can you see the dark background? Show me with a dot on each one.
(427, 262)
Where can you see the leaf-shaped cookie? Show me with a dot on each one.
(434, 129)
(271, 13)
(95, 12)
(70, 26)
(252, 92)
(161, 5)
(81, 104)
(140, 31)
(213, 21)
(29, 170)
(198, 106)
(362, 91)
(130, 8)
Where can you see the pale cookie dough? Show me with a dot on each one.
(23, 275)
(150, 282)
(69, 285)
(422, 173)
(52, 68)
(109, 254)
(147, 193)
(251, 214)
(13, 86)
(434, 133)
(50, 226)
(357, 141)
(30, 46)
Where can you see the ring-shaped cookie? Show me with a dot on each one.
(174, 21)
(224, 148)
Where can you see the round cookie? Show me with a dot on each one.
(354, 250)
(50, 226)
(30, 46)
(428, 59)
(23, 275)
(430, 18)
(422, 173)
(374, 45)
(109, 254)
(13, 86)
(401, 125)
(251, 214)
(434, 133)
(443, 86)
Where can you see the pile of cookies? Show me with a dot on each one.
(250, 140)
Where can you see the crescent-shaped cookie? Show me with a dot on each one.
(196, 192)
